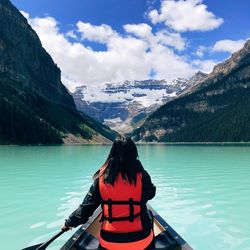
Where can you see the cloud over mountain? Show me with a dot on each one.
(227, 45)
(188, 15)
(140, 52)
(130, 56)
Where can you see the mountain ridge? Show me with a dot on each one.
(123, 106)
(216, 109)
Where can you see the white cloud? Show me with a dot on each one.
(129, 56)
(185, 15)
(95, 33)
(25, 14)
(205, 66)
(142, 30)
(171, 39)
(200, 51)
(164, 37)
(230, 46)
(168, 65)
(71, 34)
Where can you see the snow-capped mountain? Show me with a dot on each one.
(216, 111)
(123, 106)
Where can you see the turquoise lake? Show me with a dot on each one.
(203, 192)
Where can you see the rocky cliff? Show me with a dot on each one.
(35, 107)
(217, 108)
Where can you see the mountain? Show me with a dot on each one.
(217, 108)
(124, 106)
(197, 78)
(35, 107)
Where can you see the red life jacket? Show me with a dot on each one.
(121, 216)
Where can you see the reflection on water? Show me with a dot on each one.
(202, 191)
(67, 204)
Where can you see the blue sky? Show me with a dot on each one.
(97, 41)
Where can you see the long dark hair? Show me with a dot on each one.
(121, 159)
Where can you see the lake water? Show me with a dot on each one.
(203, 192)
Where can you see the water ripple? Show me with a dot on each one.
(203, 192)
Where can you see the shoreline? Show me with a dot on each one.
(141, 143)
(193, 143)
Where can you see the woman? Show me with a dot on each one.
(122, 187)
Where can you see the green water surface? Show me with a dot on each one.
(203, 192)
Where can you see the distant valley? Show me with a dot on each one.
(36, 108)
(124, 106)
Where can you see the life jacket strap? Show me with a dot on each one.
(131, 210)
(125, 202)
(124, 218)
(110, 218)
(129, 202)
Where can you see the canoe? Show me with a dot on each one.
(86, 236)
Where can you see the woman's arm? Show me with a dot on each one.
(90, 203)
(148, 187)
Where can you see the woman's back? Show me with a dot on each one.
(121, 191)
(122, 187)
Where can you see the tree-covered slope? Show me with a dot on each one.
(35, 107)
(217, 110)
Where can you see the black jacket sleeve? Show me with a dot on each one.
(90, 203)
(149, 188)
